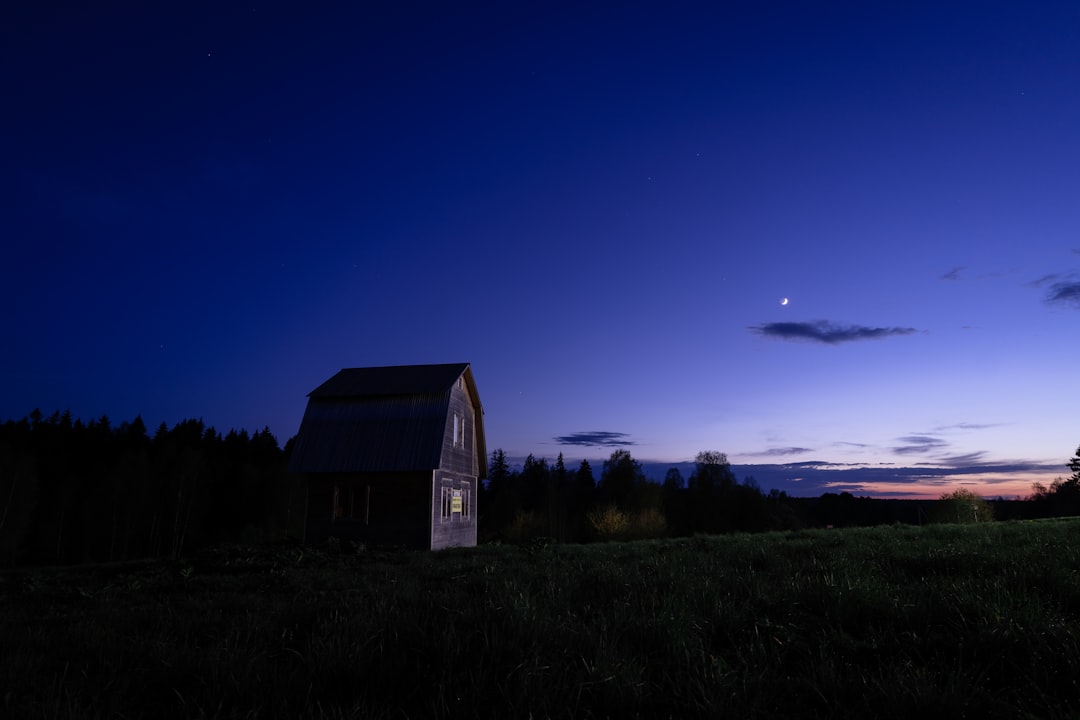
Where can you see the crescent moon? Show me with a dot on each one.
(784, 301)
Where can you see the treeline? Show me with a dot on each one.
(553, 501)
(543, 500)
(1062, 497)
(572, 505)
(73, 492)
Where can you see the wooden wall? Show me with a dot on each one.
(453, 510)
(378, 508)
(457, 475)
(460, 458)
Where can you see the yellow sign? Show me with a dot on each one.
(455, 502)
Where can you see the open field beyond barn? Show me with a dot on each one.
(976, 621)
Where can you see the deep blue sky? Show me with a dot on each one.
(210, 208)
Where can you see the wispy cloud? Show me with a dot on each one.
(1065, 292)
(953, 274)
(596, 438)
(966, 426)
(827, 332)
(1063, 289)
(968, 459)
(783, 451)
(918, 444)
(938, 448)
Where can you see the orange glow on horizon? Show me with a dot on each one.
(986, 485)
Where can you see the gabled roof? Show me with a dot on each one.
(383, 419)
(391, 380)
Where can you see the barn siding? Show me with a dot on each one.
(457, 472)
(459, 529)
(460, 459)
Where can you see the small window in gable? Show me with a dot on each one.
(459, 431)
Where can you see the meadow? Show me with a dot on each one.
(969, 620)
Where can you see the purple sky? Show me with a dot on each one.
(210, 208)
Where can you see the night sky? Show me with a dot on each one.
(210, 208)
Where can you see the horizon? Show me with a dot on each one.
(804, 478)
(885, 481)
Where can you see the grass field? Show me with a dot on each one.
(972, 621)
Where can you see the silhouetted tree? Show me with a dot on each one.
(710, 488)
(747, 509)
(534, 480)
(621, 474)
(712, 471)
(1062, 498)
(583, 478)
(673, 479)
(580, 500)
(530, 521)
(502, 497)
(675, 498)
(557, 500)
(784, 514)
(962, 506)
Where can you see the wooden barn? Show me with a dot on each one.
(393, 455)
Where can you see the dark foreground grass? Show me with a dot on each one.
(973, 621)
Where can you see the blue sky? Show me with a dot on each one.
(211, 208)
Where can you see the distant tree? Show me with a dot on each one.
(531, 520)
(784, 515)
(534, 482)
(580, 496)
(963, 506)
(501, 500)
(750, 508)
(498, 468)
(1062, 498)
(622, 473)
(711, 488)
(560, 465)
(712, 471)
(584, 480)
(675, 503)
(557, 500)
